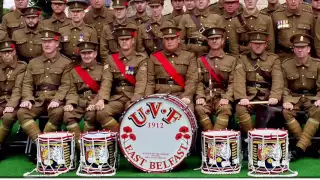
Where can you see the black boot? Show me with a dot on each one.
(33, 153)
(296, 154)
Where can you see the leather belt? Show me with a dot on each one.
(47, 87)
(303, 92)
(121, 83)
(6, 93)
(196, 41)
(258, 84)
(284, 49)
(165, 81)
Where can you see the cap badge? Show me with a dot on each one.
(6, 44)
(213, 31)
(301, 38)
(47, 34)
(85, 45)
(170, 31)
(258, 36)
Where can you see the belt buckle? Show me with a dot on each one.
(87, 93)
(122, 83)
(201, 30)
(199, 42)
(45, 87)
(170, 82)
(258, 85)
(305, 91)
(149, 29)
(256, 67)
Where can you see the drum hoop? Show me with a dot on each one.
(236, 134)
(111, 135)
(251, 133)
(69, 136)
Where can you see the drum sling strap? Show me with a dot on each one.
(121, 66)
(152, 36)
(197, 23)
(169, 68)
(213, 72)
(84, 75)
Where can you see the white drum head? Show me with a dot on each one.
(54, 135)
(155, 134)
(96, 135)
(268, 132)
(220, 133)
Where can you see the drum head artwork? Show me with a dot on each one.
(156, 133)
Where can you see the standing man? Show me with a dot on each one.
(59, 18)
(98, 16)
(193, 25)
(28, 39)
(218, 7)
(190, 6)
(215, 89)
(141, 16)
(177, 11)
(45, 85)
(108, 40)
(173, 70)
(252, 20)
(301, 91)
(257, 77)
(85, 80)
(290, 20)
(273, 5)
(124, 81)
(11, 76)
(149, 34)
(77, 30)
(14, 19)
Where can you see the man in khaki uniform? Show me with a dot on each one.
(273, 5)
(14, 19)
(98, 16)
(316, 8)
(252, 20)
(218, 7)
(257, 77)
(59, 18)
(177, 11)
(28, 39)
(182, 83)
(149, 34)
(290, 20)
(11, 76)
(45, 85)
(193, 25)
(120, 89)
(108, 40)
(301, 92)
(214, 92)
(81, 98)
(141, 15)
(190, 6)
(77, 30)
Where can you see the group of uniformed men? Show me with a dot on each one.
(219, 59)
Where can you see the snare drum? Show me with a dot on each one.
(99, 154)
(156, 133)
(55, 152)
(268, 152)
(221, 152)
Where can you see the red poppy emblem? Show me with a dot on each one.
(127, 129)
(178, 136)
(178, 33)
(126, 4)
(184, 129)
(124, 136)
(56, 38)
(133, 34)
(38, 13)
(12, 46)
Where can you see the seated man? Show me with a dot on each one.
(85, 81)
(257, 77)
(11, 75)
(215, 88)
(172, 70)
(45, 85)
(124, 80)
(301, 92)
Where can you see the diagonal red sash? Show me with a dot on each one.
(87, 78)
(122, 68)
(211, 71)
(169, 68)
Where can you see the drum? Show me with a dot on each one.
(99, 154)
(268, 153)
(220, 152)
(157, 132)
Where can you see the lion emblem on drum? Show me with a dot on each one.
(218, 152)
(270, 153)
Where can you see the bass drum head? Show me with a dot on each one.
(156, 134)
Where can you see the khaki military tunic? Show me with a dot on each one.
(149, 35)
(45, 80)
(108, 41)
(81, 95)
(138, 19)
(97, 18)
(287, 24)
(28, 43)
(217, 8)
(231, 40)
(71, 35)
(160, 82)
(254, 22)
(55, 23)
(3, 33)
(175, 16)
(269, 10)
(116, 90)
(194, 41)
(11, 78)
(317, 37)
(224, 65)
(13, 21)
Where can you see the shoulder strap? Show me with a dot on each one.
(242, 22)
(122, 68)
(169, 68)
(155, 39)
(84, 75)
(197, 23)
(257, 68)
(212, 72)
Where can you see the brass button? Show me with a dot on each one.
(47, 76)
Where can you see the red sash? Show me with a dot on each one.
(169, 68)
(122, 69)
(87, 78)
(211, 71)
